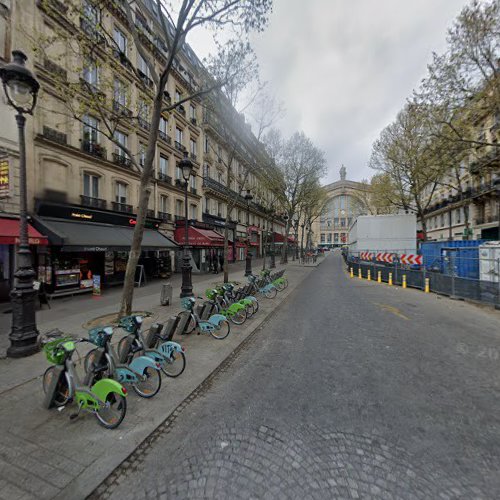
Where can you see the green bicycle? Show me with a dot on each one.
(106, 399)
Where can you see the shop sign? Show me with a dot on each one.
(4, 178)
(82, 215)
(96, 282)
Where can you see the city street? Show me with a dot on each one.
(352, 389)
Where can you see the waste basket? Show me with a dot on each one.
(166, 294)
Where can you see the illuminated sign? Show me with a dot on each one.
(80, 215)
(4, 178)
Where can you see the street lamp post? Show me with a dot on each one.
(187, 284)
(21, 89)
(285, 242)
(296, 237)
(272, 265)
(303, 225)
(248, 260)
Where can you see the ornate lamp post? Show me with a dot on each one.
(248, 260)
(272, 265)
(21, 89)
(285, 242)
(303, 225)
(296, 237)
(187, 284)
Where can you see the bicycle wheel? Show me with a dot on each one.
(222, 330)
(174, 365)
(285, 282)
(255, 306)
(279, 286)
(61, 396)
(249, 310)
(150, 386)
(271, 293)
(191, 324)
(112, 414)
(239, 317)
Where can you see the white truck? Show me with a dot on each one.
(384, 233)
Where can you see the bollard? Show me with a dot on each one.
(379, 277)
(404, 280)
(427, 285)
(390, 279)
(369, 275)
(359, 273)
(352, 272)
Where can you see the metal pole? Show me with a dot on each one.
(273, 257)
(248, 260)
(187, 284)
(24, 333)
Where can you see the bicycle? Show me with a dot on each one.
(260, 286)
(241, 297)
(142, 372)
(217, 325)
(106, 399)
(234, 311)
(277, 279)
(135, 344)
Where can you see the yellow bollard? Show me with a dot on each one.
(404, 280)
(390, 279)
(427, 285)
(352, 272)
(369, 275)
(379, 277)
(359, 273)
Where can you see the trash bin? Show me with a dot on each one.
(166, 294)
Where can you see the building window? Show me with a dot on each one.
(90, 13)
(442, 220)
(193, 182)
(458, 216)
(120, 40)
(219, 177)
(142, 65)
(207, 205)
(164, 204)
(122, 139)
(120, 92)
(179, 208)
(91, 73)
(335, 237)
(163, 165)
(91, 185)
(142, 154)
(90, 130)
(121, 192)
(329, 237)
(220, 209)
(323, 238)
(206, 145)
(163, 125)
(192, 112)
(143, 113)
(193, 209)
(206, 172)
(178, 95)
(178, 136)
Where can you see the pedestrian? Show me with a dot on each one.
(216, 264)
(221, 261)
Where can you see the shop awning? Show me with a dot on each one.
(9, 233)
(94, 237)
(278, 238)
(199, 237)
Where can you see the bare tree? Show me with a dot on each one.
(160, 50)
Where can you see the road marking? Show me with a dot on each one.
(393, 310)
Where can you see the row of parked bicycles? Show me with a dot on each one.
(140, 358)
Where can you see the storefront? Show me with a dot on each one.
(86, 245)
(9, 239)
(206, 246)
(253, 233)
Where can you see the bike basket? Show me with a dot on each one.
(52, 351)
(128, 324)
(99, 336)
(210, 294)
(187, 303)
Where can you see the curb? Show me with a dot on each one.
(103, 480)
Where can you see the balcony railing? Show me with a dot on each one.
(88, 201)
(193, 190)
(486, 219)
(150, 213)
(180, 183)
(164, 137)
(90, 30)
(179, 146)
(54, 135)
(121, 207)
(193, 157)
(143, 123)
(166, 96)
(193, 121)
(93, 149)
(164, 216)
(181, 109)
(121, 109)
(164, 178)
(145, 79)
(220, 188)
(122, 160)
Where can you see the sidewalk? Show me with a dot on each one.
(45, 455)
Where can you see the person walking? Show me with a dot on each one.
(221, 261)
(216, 264)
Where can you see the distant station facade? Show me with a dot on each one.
(346, 202)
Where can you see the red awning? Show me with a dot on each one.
(278, 238)
(9, 233)
(199, 237)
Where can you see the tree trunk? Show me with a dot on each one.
(226, 247)
(264, 251)
(145, 191)
(284, 250)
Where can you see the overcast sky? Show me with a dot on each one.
(345, 67)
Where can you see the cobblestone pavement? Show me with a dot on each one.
(352, 390)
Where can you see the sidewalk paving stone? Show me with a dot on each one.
(45, 455)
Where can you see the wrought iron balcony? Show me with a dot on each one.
(121, 207)
(55, 69)
(164, 137)
(487, 219)
(122, 160)
(121, 109)
(145, 79)
(193, 121)
(93, 149)
(164, 178)
(88, 201)
(180, 183)
(150, 213)
(193, 157)
(179, 146)
(91, 31)
(54, 135)
(193, 190)
(143, 123)
(181, 109)
(164, 216)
